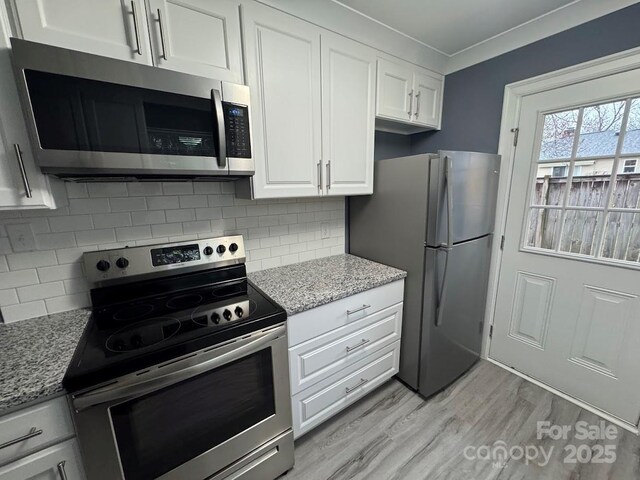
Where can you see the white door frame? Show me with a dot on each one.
(513, 96)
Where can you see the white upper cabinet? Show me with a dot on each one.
(348, 115)
(282, 61)
(409, 98)
(201, 37)
(112, 28)
(22, 185)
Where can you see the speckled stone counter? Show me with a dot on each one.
(303, 286)
(34, 355)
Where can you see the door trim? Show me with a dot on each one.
(513, 95)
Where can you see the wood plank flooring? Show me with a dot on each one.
(395, 434)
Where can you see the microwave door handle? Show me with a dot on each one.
(222, 142)
(124, 392)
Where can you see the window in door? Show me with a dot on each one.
(585, 197)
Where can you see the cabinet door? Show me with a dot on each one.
(428, 100)
(113, 28)
(14, 170)
(395, 94)
(348, 115)
(200, 37)
(282, 56)
(62, 461)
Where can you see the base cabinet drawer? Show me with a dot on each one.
(60, 462)
(28, 430)
(321, 357)
(317, 321)
(326, 398)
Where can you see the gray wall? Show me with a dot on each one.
(473, 97)
(389, 145)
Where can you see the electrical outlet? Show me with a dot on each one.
(325, 230)
(21, 237)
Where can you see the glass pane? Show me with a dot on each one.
(551, 183)
(627, 191)
(631, 142)
(544, 228)
(590, 183)
(159, 431)
(622, 237)
(558, 133)
(600, 130)
(580, 231)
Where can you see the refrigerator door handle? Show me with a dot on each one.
(442, 291)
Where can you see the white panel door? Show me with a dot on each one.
(348, 115)
(200, 37)
(568, 304)
(395, 91)
(13, 137)
(112, 28)
(427, 93)
(282, 56)
(59, 462)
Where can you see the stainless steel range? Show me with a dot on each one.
(182, 370)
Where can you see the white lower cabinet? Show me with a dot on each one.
(59, 462)
(341, 351)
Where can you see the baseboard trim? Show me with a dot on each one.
(608, 417)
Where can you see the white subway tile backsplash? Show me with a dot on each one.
(114, 215)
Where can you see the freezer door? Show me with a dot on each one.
(473, 182)
(457, 299)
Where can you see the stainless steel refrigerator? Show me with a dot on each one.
(433, 216)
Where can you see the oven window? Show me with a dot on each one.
(167, 428)
(87, 115)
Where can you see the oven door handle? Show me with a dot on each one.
(123, 392)
(222, 141)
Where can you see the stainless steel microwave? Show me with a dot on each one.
(96, 118)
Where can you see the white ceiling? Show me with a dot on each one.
(452, 26)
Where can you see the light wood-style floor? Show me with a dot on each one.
(396, 434)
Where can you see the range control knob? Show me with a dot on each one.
(207, 251)
(103, 265)
(221, 249)
(122, 262)
(239, 312)
(215, 318)
(233, 248)
(227, 315)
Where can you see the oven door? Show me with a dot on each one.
(91, 116)
(189, 418)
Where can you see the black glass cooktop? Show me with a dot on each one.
(124, 337)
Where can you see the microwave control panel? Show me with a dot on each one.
(236, 119)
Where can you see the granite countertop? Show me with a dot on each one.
(34, 355)
(303, 286)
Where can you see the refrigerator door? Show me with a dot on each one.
(473, 182)
(457, 298)
(389, 227)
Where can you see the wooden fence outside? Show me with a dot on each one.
(582, 227)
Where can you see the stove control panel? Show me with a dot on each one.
(222, 315)
(128, 263)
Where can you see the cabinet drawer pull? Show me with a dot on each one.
(136, 28)
(162, 42)
(357, 386)
(358, 345)
(23, 171)
(363, 307)
(410, 112)
(61, 470)
(32, 433)
(417, 105)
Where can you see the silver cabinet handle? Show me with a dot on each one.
(136, 28)
(32, 433)
(357, 386)
(363, 307)
(61, 470)
(328, 174)
(358, 345)
(162, 44)
(417, 104)
(410, 112)
(319, 172)
(23, 171)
